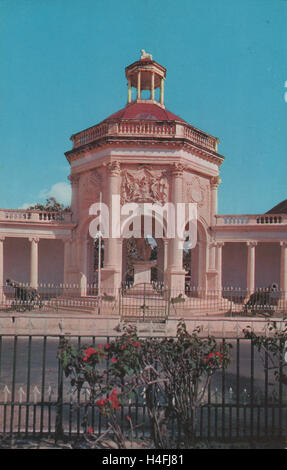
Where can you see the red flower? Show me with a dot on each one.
(114, 360)
(123, 346)
(88, 353)
(219, 354)
(90, 431)
(136, 344)
(210, 355)
(128, 417)
(100, 346)
(107, 346)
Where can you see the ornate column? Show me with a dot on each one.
(113, 255)
(175, 271)
(212, 256)
(84, 268)
(162, 91)
(214, 183)
(152, 86)
(283, 274)
(129, 91)
(34, 261)
(165, 255)
(251, 245)
(67, 259)
(75, 195)
(219, 246)
(139, 86)
(2, 238)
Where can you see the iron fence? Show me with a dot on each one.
(243, 401)
(143, 302)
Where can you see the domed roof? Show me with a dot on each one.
(281, 208)
(142, 111)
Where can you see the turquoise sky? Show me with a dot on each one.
(62, 70)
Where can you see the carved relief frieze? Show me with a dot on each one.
(144, 185)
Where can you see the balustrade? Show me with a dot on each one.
(145, 128)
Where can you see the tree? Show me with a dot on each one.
(52, 205)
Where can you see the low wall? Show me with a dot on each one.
(92, 324)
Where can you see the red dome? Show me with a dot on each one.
(142, 111)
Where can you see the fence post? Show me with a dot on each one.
(59, 431)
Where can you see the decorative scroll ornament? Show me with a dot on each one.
(114, 168)
(177, 169)
(195, 191)
(144, 186)
(215, 182)
(90, 188)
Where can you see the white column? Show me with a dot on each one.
(175, 254)
(219, 246)
(165, 253)
(175, 271)
(67, 259)
(214, 183)
(152, 86)
(84, 270)
(111, 272)
(283, 273)
(251, 267)
(212, 256)
(113, 182)
(34, 262)
(2, 238)
(139, 86)
(129, 91)
(162, 91)
(75, 196)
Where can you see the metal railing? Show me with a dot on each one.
(36, 399)
(146, 301)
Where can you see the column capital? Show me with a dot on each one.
(215, 182)
(74, 179)
(114, 168)
(251, 243)
(283, 243)
(177, 169)
(2, 238)
(219, 244)
(34, 239)
(67, 240)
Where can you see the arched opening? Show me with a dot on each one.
(143, 245)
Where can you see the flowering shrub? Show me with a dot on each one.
(172, 373)
(273, 343)
(107, 405)
(177, 378)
